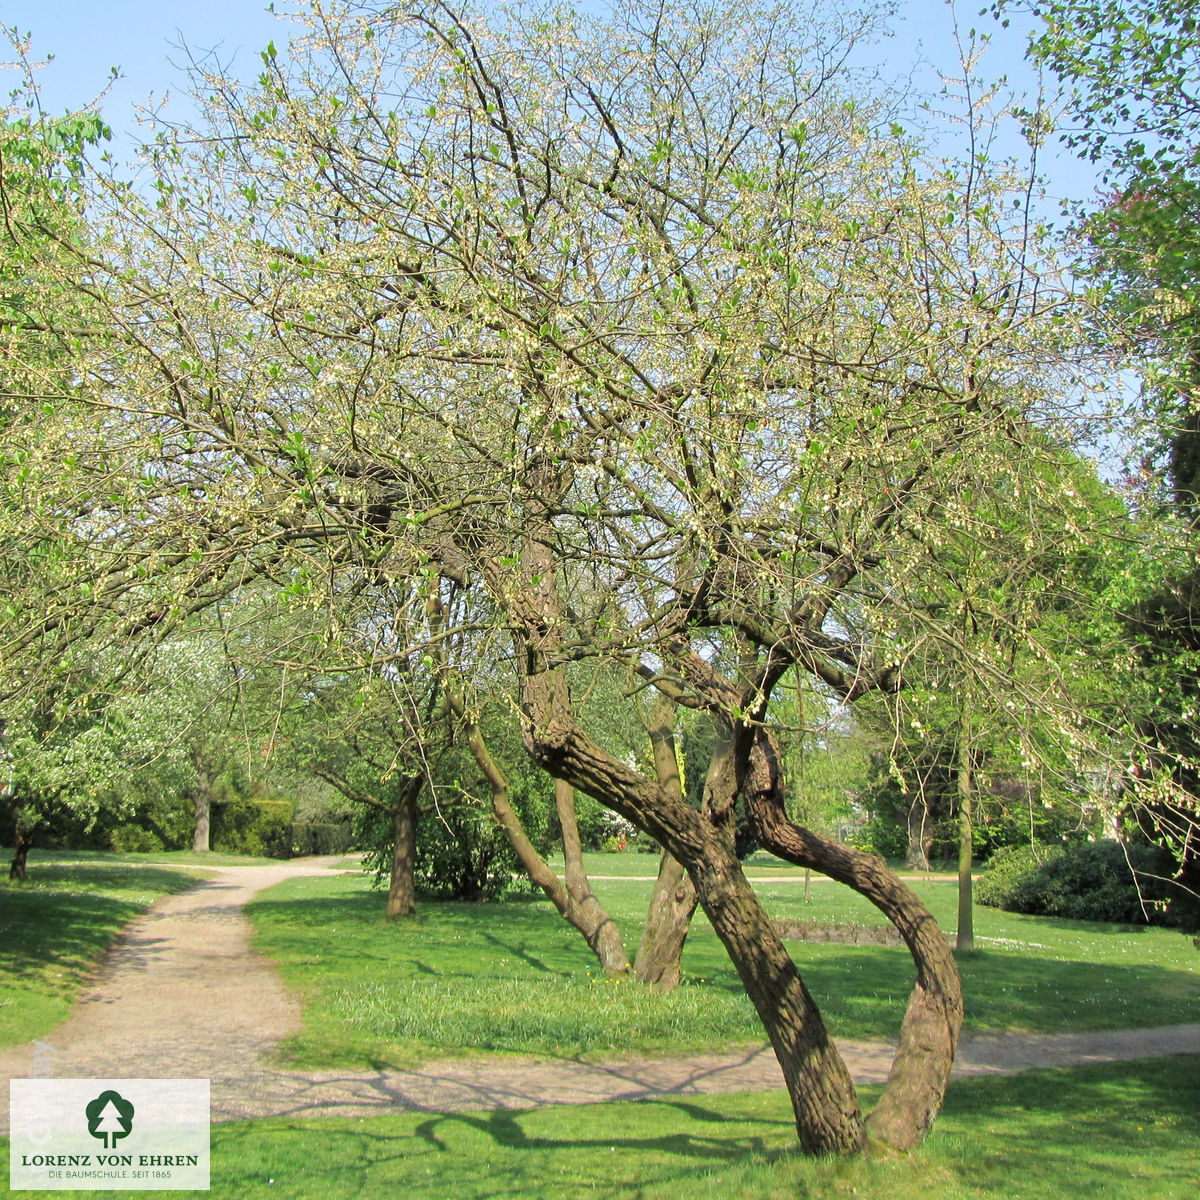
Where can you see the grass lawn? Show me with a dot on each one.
(513, 977)
(1126, 1132)
(58, 923)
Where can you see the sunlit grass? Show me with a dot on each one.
(560, 1015)
(514, 977)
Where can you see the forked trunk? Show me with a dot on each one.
(916, 1085)
(828, 1116)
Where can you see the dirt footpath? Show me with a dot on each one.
(183, 995)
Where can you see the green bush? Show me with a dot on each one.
(1005, 883)
(883, 834)
(462, 854)
(258, 827)
(132, 839)
(1091, 881)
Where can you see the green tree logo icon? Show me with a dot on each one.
(109, 1117)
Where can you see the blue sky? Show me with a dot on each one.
(142, 39)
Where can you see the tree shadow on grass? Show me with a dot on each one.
(517, 950)
(546, 1152)
(507, 1129)
(1082, 1128)
(862, 992)
(1083, 1124)
(61, 917)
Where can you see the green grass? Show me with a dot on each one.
(57, 925)
(172, 858)
(1125, 1132)
(513, 977)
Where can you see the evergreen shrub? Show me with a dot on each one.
(1091, 881)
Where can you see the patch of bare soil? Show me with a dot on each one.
(845, 933)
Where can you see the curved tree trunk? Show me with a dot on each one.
(828, 1116)
(577, 905)
(601, 930)
(916, 1085)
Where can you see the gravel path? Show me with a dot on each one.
(182, 995)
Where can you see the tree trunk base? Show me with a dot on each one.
(668, 920)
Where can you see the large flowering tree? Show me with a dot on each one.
(643, 344)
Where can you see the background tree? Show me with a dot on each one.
(1130, 71)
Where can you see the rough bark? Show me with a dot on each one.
(668, 920)
(673, 900)
(916, 1085)
(828, 1116)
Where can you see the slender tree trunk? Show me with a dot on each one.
(965, 941)
(673, 900)
(588, 917)
(201, 803)
(202, 812)
(22, 843)
(918, 841)
(404, 811)
(604, 937)
(402, 894)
